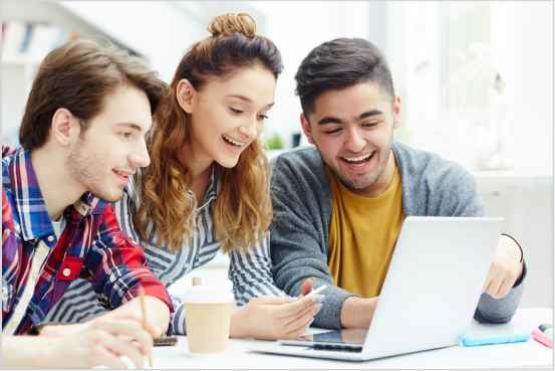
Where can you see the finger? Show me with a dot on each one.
(271, 300)
(299, 322)
(287, 322)
(103, 357)
(298, 330)
(307, 286)
(487, 282)
(132, 329)
(494, 286)
(297, 306)
(505, 287)
(123, 347)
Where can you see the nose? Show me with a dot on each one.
(140, 157)
(355, 141)
(250, 128)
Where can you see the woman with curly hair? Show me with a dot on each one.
(207, 187)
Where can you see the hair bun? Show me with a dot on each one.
(228, 24)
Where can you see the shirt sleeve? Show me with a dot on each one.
(251, 274)
(9, 257)
(117, 266)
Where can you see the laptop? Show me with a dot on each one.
(428, 299)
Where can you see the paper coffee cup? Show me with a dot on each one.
(207, 317)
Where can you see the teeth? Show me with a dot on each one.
(357, 159)
(231, 141)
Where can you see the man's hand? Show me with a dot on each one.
(102, 341)
(505, 269)
(358, 312)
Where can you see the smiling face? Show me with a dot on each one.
(226, 114)
(113, 146)
(353, 130)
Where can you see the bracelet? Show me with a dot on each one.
(520, 247)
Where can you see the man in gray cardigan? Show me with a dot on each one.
(349, 113)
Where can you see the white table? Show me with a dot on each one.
(530, 354)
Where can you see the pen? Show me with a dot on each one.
(543, 335)
(143, 316)
(491, 340)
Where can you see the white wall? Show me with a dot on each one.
(296, 28)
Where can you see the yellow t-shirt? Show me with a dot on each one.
(363, 232)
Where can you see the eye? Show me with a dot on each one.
(126, 134)
(334, 131)
(370, 124)
(235, 110)
(263, 117)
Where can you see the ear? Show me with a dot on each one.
(396, 112)
(307, 130)
(65, 127)
(185, 93)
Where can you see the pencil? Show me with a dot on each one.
(143, 316)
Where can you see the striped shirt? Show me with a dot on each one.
(38, 267)
(249, 270)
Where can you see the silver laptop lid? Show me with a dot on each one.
(433, 284)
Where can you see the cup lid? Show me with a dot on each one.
(209, 293)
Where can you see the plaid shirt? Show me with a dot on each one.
(91, 246)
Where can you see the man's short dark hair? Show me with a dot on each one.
(338, 64)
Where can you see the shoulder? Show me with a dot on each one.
(302, 163)
(429, 168)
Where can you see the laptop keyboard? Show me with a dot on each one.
(338, 347)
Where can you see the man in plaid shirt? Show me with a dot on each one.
(82, 136)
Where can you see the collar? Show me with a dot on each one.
(31, 208)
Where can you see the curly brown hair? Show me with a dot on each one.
(243, 211)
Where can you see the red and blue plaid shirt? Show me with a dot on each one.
(91, 246)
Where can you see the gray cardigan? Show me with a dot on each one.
(301, 200)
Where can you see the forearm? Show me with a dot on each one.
(28, 352)
(358, 312)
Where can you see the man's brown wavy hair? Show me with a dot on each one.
(243, 211)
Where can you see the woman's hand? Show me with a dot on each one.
(272, 317)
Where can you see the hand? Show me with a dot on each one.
(272, 317)
(102, 341)
(358, 312)
(505, 269)
(128, 311)
(157, 314)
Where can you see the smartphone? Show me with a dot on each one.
(315, 291)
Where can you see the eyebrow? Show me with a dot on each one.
(335, 120)
(130, 125)
(246, 99)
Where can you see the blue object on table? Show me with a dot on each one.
(491, 340)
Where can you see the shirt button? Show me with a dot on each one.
(50, 238)
(66, 272)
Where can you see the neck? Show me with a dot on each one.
(56, 184)
(199, 166)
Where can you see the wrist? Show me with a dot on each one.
(357, 312)
(239, 322)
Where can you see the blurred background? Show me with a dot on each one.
(475, 79)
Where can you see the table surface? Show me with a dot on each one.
(530, 354)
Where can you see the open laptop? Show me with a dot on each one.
(428, 298)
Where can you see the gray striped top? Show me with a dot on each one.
(249, 270)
